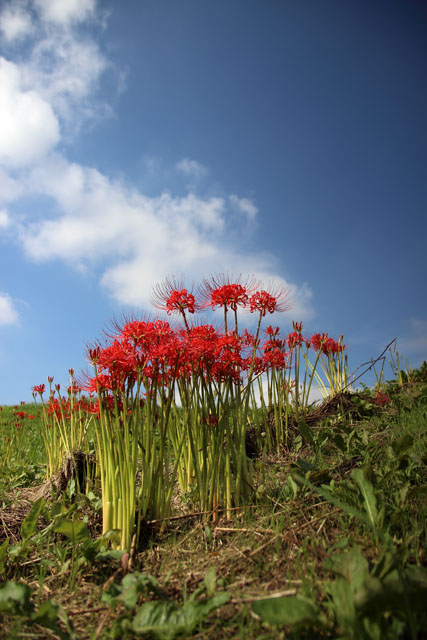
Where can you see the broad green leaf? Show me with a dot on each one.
(292, 610)
(131, 586)
(352, 566)
(306, 432)
(367, 491)
(111, 554)
(48, 615)
(135, 583)
(328, 495)
(73, 529)
(391, 595)
(3, 555)
(402, 444)
(166, 620)
(29, 524)
(15, 598)
(339, 442)
(343, 598)
(210, 580)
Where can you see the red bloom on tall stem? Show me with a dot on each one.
(171, 296)
(295, 339)
(326, 344)
(39, 389)
(276, 299)
(223, 290)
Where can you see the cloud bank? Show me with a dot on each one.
(8, 313)
(48, 89)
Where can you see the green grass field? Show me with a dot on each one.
(332, 543)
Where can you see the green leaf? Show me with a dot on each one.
(338, 440)
(367, 491)
(402, 444)
(306, 432)
(48, 615)
(3, 555)
(391, 595)
(292, 610)
(131, 586)
(29, 524)
(343, 598)
(112, 554)
(328, 495)
(305, 465)
(210, 581)
(135, 583)
(165, 620)
(73, 529)
(15, 598)
(352, 566)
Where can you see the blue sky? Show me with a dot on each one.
(147, 138)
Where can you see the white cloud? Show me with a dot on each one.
(15, 22)
(28, 126)
(4, 219)
(8, 313)
(136, 240)
(245, 206)
(132, 240)
(191, 168)
(59, 68)
(10, 188)
(64, 12)
(64, 68)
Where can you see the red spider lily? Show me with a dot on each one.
(297, 326)
(248, 339)
(288, 386)
(171, 296)
(274, 358)
(317, 340)
(271, 301)
(258, 365)
(199, 347)
(381, 399)
(223, 290)
(229, 296)
(331, 346)
(20, 414)
(295, 339)
(39, 389)
(93, 354)
(272, 331)
(211, 421)
(326, 344)
(227, 362)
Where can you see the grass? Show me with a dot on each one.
(331, 545)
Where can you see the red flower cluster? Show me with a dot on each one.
(153, 352)
(381, 399)
(171, 296)
(326, 344)
(179, 301)
(230, 296)
(39, 389)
